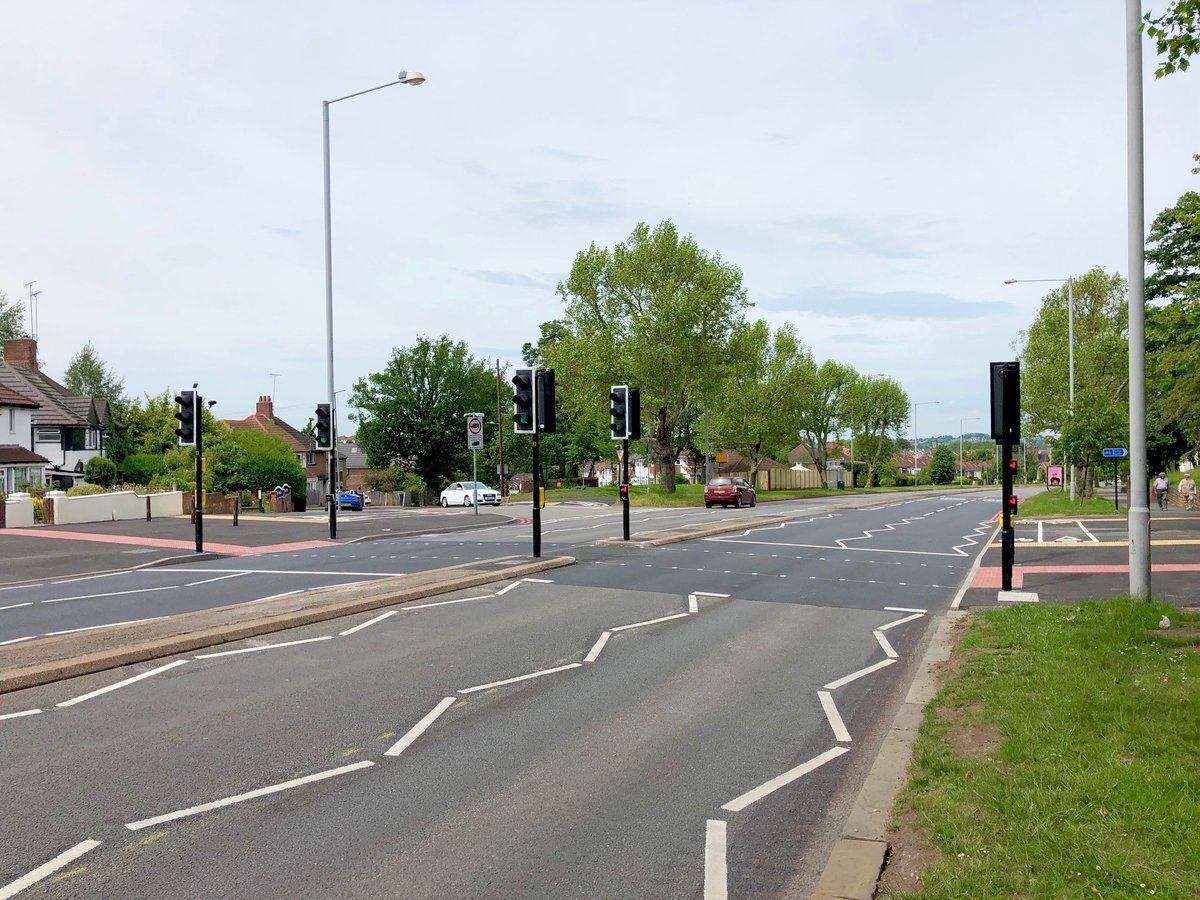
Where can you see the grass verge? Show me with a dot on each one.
(1058, 503)
(1060, 759)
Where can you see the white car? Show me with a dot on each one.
(462, 493)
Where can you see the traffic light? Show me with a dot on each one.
(1006, 402)
(618, 396)
(324, 426)
(186, 414)
(523, 401)
(547, 402)
(633, 414)
(624, 492)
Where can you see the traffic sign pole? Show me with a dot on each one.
(1116, 487)
(474, 443)
(624, 489)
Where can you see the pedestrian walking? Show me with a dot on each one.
(1161, 488)
(1187, 491)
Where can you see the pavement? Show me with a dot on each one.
(1066, 560)
(682, 721)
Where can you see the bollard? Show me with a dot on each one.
(147, 509)
(237, 505)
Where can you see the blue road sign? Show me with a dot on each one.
(1114, 452)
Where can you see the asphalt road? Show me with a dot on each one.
(669, 741)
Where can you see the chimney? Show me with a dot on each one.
(264, 407)
(21, 352)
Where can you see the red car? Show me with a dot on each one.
(728, 490)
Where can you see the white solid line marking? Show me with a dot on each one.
(284, 594)
(47, 868)
(368, 623)
(20, 587)
(120, 684)
(693, 604)
(652, 621)
(109, 625)
(538, 674)
(218, 578)
(1040, 524)
(970, 576)
(1095, 540)
(846, 679)
(18, 640)
(597, 647)
(888, 650)
(420, 728)
(509, 587)
(835, 718)
(539, 580)
(448, 602)
(310, 572)
(324, 637)
(165, 587)
(249, 795)
(767, 787)
(19, 715)
(708, 594)
(716, 874)
(900, 621)
(17, 605)
(904, 609)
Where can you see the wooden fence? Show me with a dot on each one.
(787, 480)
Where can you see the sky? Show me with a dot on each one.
(876, 170)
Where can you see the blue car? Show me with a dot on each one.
(350, 500)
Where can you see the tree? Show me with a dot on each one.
(12, 319)
(411, 413)
(1176, 35)
(253, 460)
(943, 467)
(656, 312)
(101, 471)
(88, 376)
(821, 410)
(755, 412)
(877, 409)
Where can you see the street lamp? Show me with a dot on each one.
(409, 78)
(1070, 342)
(960, 445)
(914, 441)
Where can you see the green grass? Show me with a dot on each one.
(1094, 787)
(1058, 503)
(693, 494)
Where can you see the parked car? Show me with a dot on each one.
(728, 490)
(462, 493)
(350, 500)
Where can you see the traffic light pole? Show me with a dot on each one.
(537, 494)
(198, 496)
(1007, 530)
(625, 489)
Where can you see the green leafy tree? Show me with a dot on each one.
(253, 460)
(12, 319)
(822, 407)
(411, 413)
(88, 376)
(876, 409)
(943, 467)
(756, 412)
(140, 468)
(656, 312)
(101, 471)
(1096, 423)
(1176, 34)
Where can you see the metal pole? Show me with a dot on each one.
(1071, 361)
(1139, 494)
(1007, 531)
(960, 453)
(475, 480)
(199, 495)
(330, 497)
(852, 459)
(537, 467)
(500, 476)
(1116, 487)
(707, 465)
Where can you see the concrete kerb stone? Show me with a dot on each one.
(853, 869)
(75, 655)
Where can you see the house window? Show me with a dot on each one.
(49, 436)
(92, 439)
(312, 459)
(76, 438)
(12, 420)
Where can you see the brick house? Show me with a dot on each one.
(304, 446)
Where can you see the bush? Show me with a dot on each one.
(85, 490)
(140, 468)
(100, 471)
(680, 478)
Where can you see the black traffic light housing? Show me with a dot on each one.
(1006, 402)
(618, 410)
(547, 401)
(324, 426)
(523, 401)
(633, 414)
(186, 414)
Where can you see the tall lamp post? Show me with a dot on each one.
(960, 445)
(914, 442)
(410, 78)
(1070, 282)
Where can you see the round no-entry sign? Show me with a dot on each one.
(474, 432)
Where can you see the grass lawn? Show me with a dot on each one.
(1060, 759)
(1058, 503)
(693, 494)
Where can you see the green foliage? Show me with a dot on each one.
(823, 407)
(875, 409)
(655, 311)
(253, 460)
(100, 471)
(88, 376)
(85, 490)
(140, 468)
(12, 319)
(943, 467)
(411, 413)
(756, 411)
(1176, 35)
(394, 480)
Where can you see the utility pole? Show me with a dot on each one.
(1139, 492)
(501, 475)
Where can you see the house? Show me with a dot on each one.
(304, 446)
(18, 464)
(800, 459)
(61, 429)
(908, 464)
(357, 469)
